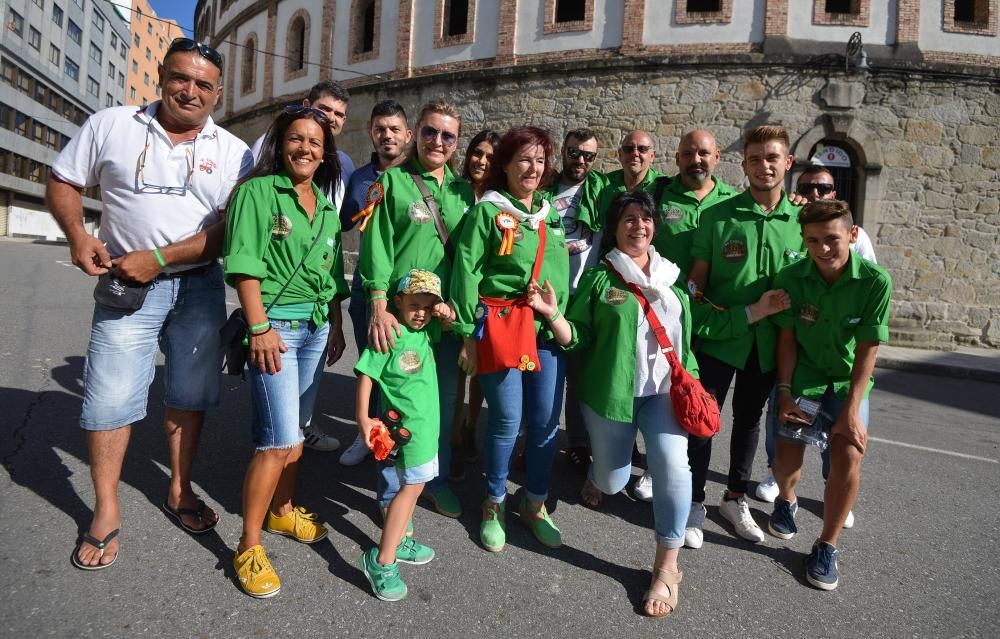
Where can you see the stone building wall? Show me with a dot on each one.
(930, 144)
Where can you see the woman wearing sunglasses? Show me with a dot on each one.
(513, 236)
(413, 209)
(282, 255)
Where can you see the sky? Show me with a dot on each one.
(180, 10)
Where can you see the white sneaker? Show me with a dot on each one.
(355, 453)
(738, 513)
(318, 440)
(849, 522)
(767, 490)
(643, 489)
(694, 536)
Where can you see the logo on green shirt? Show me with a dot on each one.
(419, 212)
(808, 314)
(671, 214)
(282, 227)
(615, 296)
(409, 362)
(734, 251)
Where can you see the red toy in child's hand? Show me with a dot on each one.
(381, 440)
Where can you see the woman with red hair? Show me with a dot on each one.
(510, 238)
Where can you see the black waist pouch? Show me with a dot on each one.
(119, 293)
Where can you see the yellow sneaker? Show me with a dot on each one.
(256, 575)
(298, 523)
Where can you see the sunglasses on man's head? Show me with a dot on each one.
(298, 108)
(575, 154)
(430, 134)
(205, 51)
(632, 148)
(807, 187)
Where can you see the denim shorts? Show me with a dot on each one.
(283, 403)
(418, 474)
(181, 317)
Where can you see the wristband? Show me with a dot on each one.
(159, 258)
(749, 314)
(262, 332)
(377, 297)
(783, 387)
(259, 327)
(554, 317)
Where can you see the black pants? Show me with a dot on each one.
(749, 395)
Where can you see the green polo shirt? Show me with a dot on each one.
(479, 270)
(745, 248)
(679, 210)
(829, 321)
(595, 202)
(401, 234)
(267, 235)
(407, 377)
(589, 190)
(604, 315)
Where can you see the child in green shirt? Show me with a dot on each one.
(827, 343)
(407, 378)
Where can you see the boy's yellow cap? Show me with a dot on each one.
(420, 281)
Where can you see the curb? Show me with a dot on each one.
(939, 370)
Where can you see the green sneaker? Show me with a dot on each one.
(540, 524)
(445, 502)
(409, 523)
(384, 580)
(493, 530)
(413, 552)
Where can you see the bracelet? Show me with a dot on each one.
(377, 297)
(783, 387)
(554, 317)
(749, 314)
(258, 327)
(262, 332)
(159, 258)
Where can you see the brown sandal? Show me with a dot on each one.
(672, 581)
(591, 495)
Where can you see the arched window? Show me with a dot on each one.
(297, 43)
(842, 162)
(249, 67)
(365, 15)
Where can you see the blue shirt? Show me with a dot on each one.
(356, 195)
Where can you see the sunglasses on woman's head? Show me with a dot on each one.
(205, 51)
(430, 134)
(298, 108)
(807, 187)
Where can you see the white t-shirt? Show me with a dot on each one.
(336, 198)
(579, 238)
(153, 193)
(863, 246)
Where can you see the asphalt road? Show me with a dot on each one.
(920, 562)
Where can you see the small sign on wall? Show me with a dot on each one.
(830, 156)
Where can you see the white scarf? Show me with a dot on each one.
(533, 220)
(662, 273)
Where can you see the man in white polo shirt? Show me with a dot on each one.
(165, 172)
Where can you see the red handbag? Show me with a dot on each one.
(695, 408)
(509, 339)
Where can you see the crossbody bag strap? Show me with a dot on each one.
(536, 270)
(435, 212)
(659, 332)
(299, 265)
(662, 183)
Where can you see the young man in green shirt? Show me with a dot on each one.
(681, 199)
(740, 244)
(636, 154)
(407, 378)
(827, 343)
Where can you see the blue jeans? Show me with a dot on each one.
(283, 402)
(181, 316)
(537, 397)
(666, 456)
(830, 404)
(446, 360)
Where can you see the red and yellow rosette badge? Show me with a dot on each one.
(507, 224)
(375, 195)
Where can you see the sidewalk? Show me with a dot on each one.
(966, 363)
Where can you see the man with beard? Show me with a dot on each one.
(579, 151)
(681, 199)
(390, 136)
